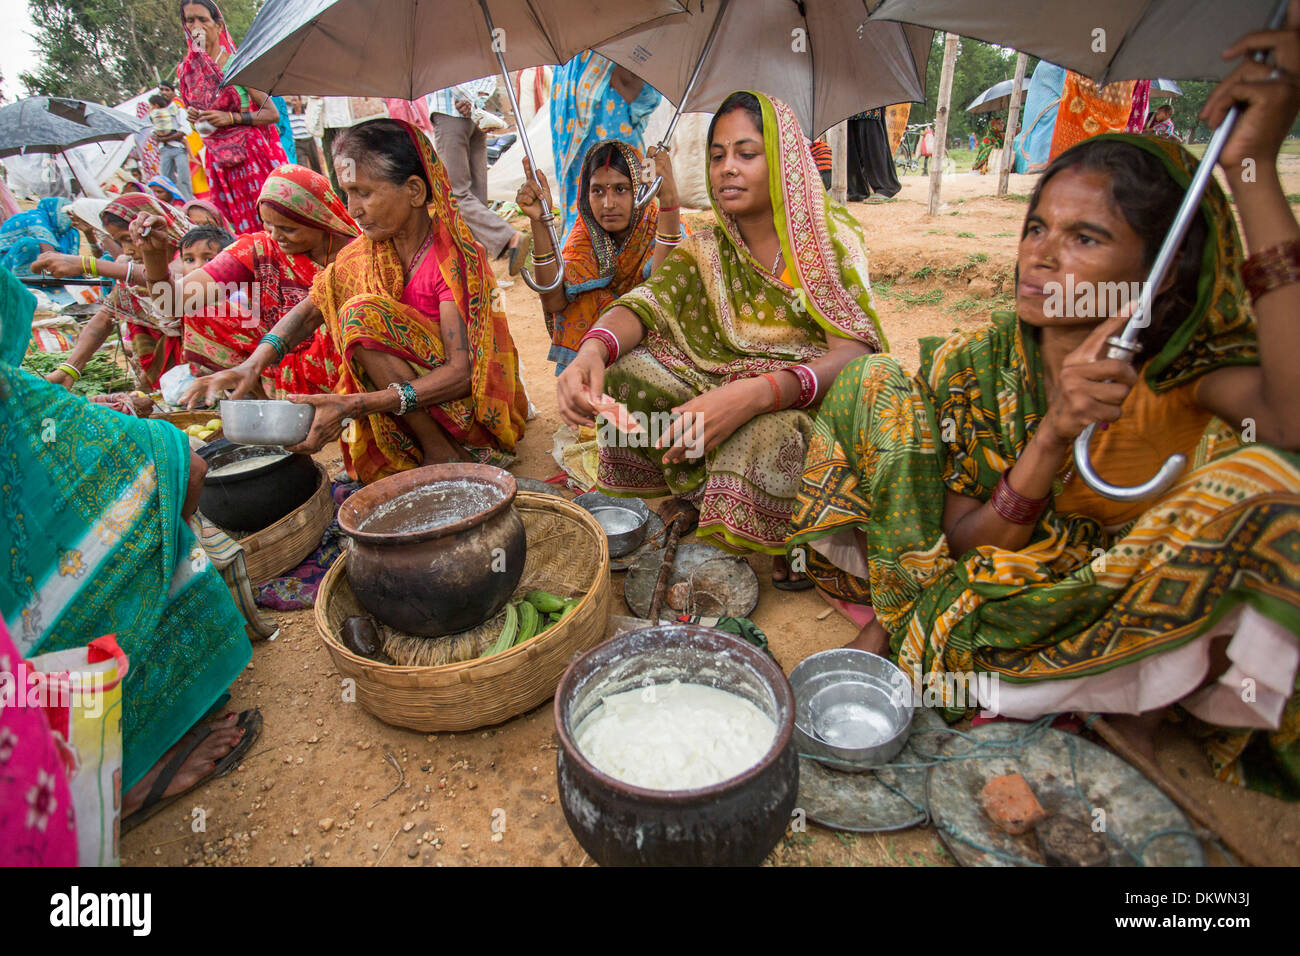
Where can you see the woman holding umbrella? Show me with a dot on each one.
(238, 125)
(948, 500)
(738, 333)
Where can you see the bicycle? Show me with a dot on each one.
(908, 158)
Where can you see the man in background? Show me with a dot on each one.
(462, 146)
(169, 130)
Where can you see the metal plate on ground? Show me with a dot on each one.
(537, 486)
(875, 800)
(654, 527)
(1071, 777)
(727, 585)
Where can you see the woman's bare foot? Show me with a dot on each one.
(781, 571)
(673, 507)
(224, 738)
(871, 638)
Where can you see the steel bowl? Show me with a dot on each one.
(853, 709)
(624, 520)
(251, 422)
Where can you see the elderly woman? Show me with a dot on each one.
(612, 248)
(740, 330)
(429, 372)
(306, 228)
(949, 500)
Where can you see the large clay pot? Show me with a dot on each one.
(444, 579)
(734, 823)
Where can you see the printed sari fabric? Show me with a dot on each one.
(225, 335)
(713, 315)
(93, 543)
(1094, 590)
(1087, 110)
(360, 295)
(597, 269)
(992, 140)
(237, 159)
(22, 235)
(155, 338)
(585, 110)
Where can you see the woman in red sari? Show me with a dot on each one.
(239, 296)
(242, 146)
(429, 372)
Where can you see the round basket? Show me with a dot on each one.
(567, 555)
(183, 420)
(286, 544)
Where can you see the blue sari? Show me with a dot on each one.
(92, 542)
(21, 235)
(586, 110)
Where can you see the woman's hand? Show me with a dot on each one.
(710, 419)
(192, 113)
(326, 425)
(664, 167)
(239, 381)
(584, 378)
(149, 233)
(1091, 388)
(1271, 101)
(531, 201)
(57, 264)
(216, 118)
(60, 378)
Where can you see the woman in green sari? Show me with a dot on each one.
(948, 500)
(722, 351)
(95, 542)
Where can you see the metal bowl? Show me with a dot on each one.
(853, 709)
(250, 422)
(624, 520)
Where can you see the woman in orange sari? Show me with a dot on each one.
(429, 371)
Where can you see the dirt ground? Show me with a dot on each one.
(317, 788)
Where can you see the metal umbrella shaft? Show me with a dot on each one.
(548, 216)
(646, 193)
(1126, 345)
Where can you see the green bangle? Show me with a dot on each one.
(276, 342)
(70, 370)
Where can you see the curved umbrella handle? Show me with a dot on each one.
(1155, 485)
(558, 281)
(646, 193)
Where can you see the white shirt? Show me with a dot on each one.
(478, 92)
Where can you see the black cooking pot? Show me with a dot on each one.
(734, 823)
(255, 499)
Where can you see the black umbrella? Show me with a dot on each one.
(51, 124)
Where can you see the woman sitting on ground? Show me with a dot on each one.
(96, 542)
(153, 336)
(429, 372)
(306, 227)
(743, 326)
(949, 500)
(612, 248)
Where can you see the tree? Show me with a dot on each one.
(109, 50)
(979, 65)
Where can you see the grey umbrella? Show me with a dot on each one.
(406, 48)
(1165, 90)
(1117, 40)
(995, 99)
(47, 124)
(817, 56)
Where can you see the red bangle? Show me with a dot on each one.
(776, 390)
(1271, 268)
(1013, 506)
(808, 385)
(669, 208)
(606, 338)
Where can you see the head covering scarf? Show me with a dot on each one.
(171, 187)
(597, 268)
(129, 206)
(374, 269)
(306, 197)
(209, 208)
(21, 236)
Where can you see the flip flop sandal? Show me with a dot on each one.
(519, 254)
(803, 584)
(250, 720)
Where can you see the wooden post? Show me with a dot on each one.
(837, 137)
(1013, 124)
(941, 120)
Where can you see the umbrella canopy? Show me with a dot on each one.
(403, 48)
(50, 124)
(996, 98)
(1165, 90)
(1103, 39)
(820, 57)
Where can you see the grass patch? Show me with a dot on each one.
(977, 257)
(922, 273)
(1003, 235)
(1293, 197)
(910, 298)
(965, 235)
(935, 232)
(1017, 197)
(972, 303)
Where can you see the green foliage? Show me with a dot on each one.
(106, 51)
(965, 235)
(979, 65)
(922, 273)
(100, 376)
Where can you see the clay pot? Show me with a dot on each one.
(255, 499)
(447, 578)
(733, 823)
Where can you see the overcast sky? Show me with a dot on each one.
(17, 50)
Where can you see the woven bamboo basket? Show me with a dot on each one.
(286, 544)
(184, 420)
(567, 555)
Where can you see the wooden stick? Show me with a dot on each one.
(666, 569)
(837, 138)
(941, 121)
(1013, 125)
(1190, 805)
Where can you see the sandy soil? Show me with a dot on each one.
(317, 788)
